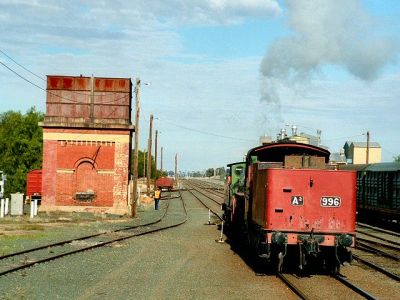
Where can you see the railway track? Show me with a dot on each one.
(310, 288)
(343, 280)
(27, 258)
(215, 209)
(215, 198)
(214, 190)
(384, 246)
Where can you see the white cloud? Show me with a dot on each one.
(141, 38)
(334, 32)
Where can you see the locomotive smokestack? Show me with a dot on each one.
(283, 134)
(294, 130)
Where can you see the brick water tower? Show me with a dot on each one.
(87, 134)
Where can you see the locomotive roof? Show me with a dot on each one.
(276, 152)
(235, 163)
(377, 167)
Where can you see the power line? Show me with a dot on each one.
(40, 77)
(26, 69)
(344, 137)
(22, 77)
(206, 132)
(59, 96)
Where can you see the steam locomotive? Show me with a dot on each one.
(288, 205)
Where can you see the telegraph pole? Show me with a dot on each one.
(136, 154)
(144, 161)
(176, 169)
(155, 151)
(162, 150)
(149, 154)
(367, 156)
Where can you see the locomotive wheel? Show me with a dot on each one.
(336, 268)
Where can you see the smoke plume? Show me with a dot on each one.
(325, 32)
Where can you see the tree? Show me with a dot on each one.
(210, 172)
(142, 165)
(397, 159)
(21, 145)
(220, 172)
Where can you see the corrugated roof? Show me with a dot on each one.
(388, 166)
(383, 167)
(364, 144)
(336, 157)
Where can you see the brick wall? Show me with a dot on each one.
(93, 163)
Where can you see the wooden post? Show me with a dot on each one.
(149, 155)
(155, 152)
(367, 156)
(176, 169)
(136, 153)
(144, 161)
(91, 110)
(161, 167)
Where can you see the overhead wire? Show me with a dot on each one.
(71, 100)
(40, 77)
(344, 137)
(103, 103)
(26, 69)
(198, 130)
(59, 96)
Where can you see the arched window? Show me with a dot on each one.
(85, 180)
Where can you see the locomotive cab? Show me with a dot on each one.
(233, 205)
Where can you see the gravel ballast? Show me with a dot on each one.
(180, 263)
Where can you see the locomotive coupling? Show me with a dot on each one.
(311, 242)
(279, 238)
(345, 240)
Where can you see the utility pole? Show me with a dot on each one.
(161, 169)
(91, 112)
(136, 153)
(176, 169)
(155, 151)
(144, 161)
(367, 156)
(149, 154)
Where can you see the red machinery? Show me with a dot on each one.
(294, 204)
(34, 185)
(165, 183)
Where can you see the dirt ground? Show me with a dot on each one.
(185, 262)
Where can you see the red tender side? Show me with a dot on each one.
(316, 187)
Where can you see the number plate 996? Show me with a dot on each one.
(330, 201)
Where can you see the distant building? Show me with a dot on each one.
(356, 152)
(337, 158)
(265, 140)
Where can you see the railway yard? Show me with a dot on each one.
(177, 252)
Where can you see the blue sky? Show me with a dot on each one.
(222, 72)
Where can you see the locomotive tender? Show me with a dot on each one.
(286, 203)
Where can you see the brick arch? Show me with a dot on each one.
(85, 175)
(85, 159)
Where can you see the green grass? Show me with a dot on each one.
(31, 227)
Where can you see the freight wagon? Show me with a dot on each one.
(164, 183)
(34, 186)
(378, 191)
